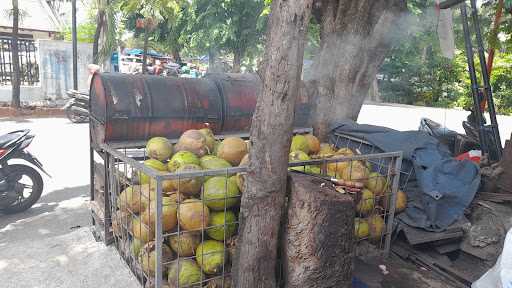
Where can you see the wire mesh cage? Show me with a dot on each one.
(360, 146)
(191, 232)
(176, 225)
(372, 180)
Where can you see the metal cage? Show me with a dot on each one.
(149, 238)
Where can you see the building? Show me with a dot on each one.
(37, 21)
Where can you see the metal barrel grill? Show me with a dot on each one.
(137, 107)
(127, 110)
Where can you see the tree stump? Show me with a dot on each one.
(319, 230)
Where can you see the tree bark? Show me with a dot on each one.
(263, 201)
(15, 73)
(237, 60)
(97, 34)
(318, 243)
(355, 40)
(145, 49)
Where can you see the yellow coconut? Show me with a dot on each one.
(159, 148)
(356, 171)
(366, 202)
(361, 228)
(313, 143)
(169, 219)
(376, 225)
(193, 215)
(376, 183)
(232, 149)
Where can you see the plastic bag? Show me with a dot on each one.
(499, 276)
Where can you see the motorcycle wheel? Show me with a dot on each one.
(25, 200)
(73, 117)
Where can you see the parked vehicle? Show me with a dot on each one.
(77, 108)
(21, 185)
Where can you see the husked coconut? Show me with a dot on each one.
(193, 141)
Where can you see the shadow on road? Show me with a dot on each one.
(55, 214)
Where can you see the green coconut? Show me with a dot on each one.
(151, 163)
(181, 158)
(210, 255)
(188, 186)
(300, 143)
(223, 224)
(159, 148)
(184, 273)
(299, 156)
(220, 192)
(185, 244)
(376, 183)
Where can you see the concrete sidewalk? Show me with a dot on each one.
(51, 245)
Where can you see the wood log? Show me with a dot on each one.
(318, 236)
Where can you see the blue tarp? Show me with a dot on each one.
(136, 51)
(445, 186)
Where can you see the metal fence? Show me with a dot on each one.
(179, 229)
(28, 61)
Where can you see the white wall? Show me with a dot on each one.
(56, 67)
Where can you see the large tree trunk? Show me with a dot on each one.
(237, 60)
(356, 36)
(271, 131)
(100, 18)
(318, 243)
(15, 73)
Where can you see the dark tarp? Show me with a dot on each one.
(442, 187)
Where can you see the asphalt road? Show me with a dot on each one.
(51, 245)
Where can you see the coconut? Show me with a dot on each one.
(167, 185)
(232, 149)
(159, 148)
(141, 231)
(211, 162)
(361, 228)
(188, 186)
(216, 146)
(210, 138)
(185, 244)
(219, 221)
(193, 215)
(181, 158)
(298, 156)
(169, 219)
(376, 183)
(210, 255)
(313, 143)
(366, 203)
(344, 152)
(300, 143)
(376, 225)
(147, 257)
(184, 273)
(136, 198)
(326, 149)
(193, 141)
(154, 164)
(220, 192)
(401, 202)
(356, 171)
(240, 177)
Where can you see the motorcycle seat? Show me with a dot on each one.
(5, 139)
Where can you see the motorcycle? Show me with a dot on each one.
(77, 107)
(21, 185)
